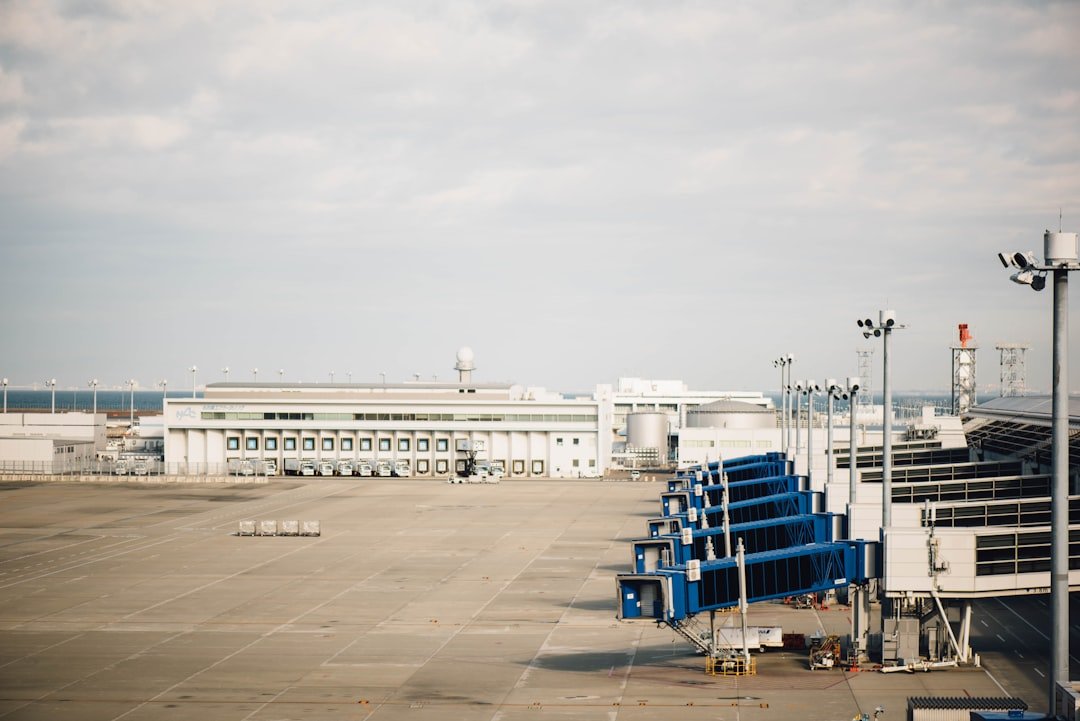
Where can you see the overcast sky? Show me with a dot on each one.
(577, 190)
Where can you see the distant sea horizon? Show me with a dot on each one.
(149, 401)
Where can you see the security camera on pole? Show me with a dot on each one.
(1060, 251)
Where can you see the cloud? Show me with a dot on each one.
(113, 133)
(11, 89)
(590, 159)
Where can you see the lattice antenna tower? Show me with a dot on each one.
(963, 372)
(865, 397)
(1013, 369)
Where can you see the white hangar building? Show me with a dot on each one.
(427, 425)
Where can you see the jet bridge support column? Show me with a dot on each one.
(860, 620)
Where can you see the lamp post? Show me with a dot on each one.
(790, 403)
(783, 363)
(349, 374)
(835, 392)
(164, 389)
(383, 374)
(255, 374)
(796, 389)
(1060, 256)
(331, 377)
(194, 370)
(4, 382)
(225, 371)
(884, 328)
(52, 382)
(131, 385)
(811, 388)
(93, 383)
(853, 390)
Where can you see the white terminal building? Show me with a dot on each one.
(429, 427)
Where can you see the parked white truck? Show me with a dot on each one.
(364, 468)
(383, 469)
(759, 637)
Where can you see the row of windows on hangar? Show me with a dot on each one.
(442, 445)
(426, 417)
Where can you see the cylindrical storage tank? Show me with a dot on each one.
(647, 429)
(730, 414)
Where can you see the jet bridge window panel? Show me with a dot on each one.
(1024, 512)
(986, 489)
(1022, 552)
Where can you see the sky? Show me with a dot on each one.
(576, 190)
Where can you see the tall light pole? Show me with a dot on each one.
(853, 391)
(52, 382)
(383, 374)
(797, 388)
(194, 370)
(835, 392)
(255, 374)
(349, 374)
(94, 384)
(4, 381)
(131, 385)
(790, 362)
(331, 377)
(884, 328)
(811, 388)
(1060, 255)
(225, 372)
(281, 375)
(164, 389)
(782, 363)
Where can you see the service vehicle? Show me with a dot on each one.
(364, 468)
(269, 467)
(401, 469)
(383, 469)
(326, 468)
(758, 638)
(345, 468)
(307, 468)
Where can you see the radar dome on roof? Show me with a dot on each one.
(465, 358)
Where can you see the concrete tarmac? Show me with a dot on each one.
(420, 600)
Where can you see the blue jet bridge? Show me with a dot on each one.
(671, 595)
(756, 509)
(653, 553)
